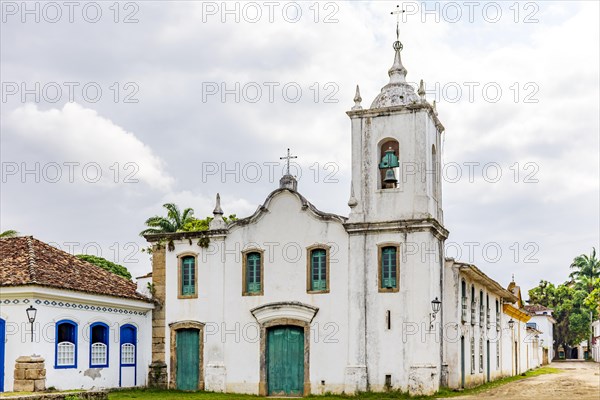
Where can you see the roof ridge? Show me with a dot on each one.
(31, 259)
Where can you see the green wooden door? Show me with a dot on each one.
(187, 359)
(285, 361)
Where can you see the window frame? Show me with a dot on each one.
(180, 258)
(380, 248)
(105, 342)
(309, 268)
(464, 301)
(245, 255)
(472, 355)
(122, 343)
(56, 343)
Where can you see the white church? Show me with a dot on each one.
(368, 303)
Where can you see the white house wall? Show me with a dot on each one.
(83, 309)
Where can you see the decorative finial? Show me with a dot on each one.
(357, 100)
(513, 277)
(421, 91)
(352, 202)
(434, 107)
(218, 210)
(217, 222)
(288, 181)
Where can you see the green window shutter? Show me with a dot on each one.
(253, 278)
(188, 275)
(388, 268)
(318, 269)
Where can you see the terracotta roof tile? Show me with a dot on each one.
(536, 308)
(28, 261)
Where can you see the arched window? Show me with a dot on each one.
(385, 169)
(473, 304)
(128, 339)
(253, 271)
(98, 345)
(497, 315)
(388, 268)
(318, 270)
(463, 296)
(472, 355)
(188, 276)
(65, 352)
(481, 308)
(434, 173)
(487, 311)
(480, 354)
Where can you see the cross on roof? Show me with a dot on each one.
(398, 13)
(288, 158)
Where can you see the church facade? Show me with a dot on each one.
(295, 301)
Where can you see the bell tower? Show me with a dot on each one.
(396, 158)
(396, 239)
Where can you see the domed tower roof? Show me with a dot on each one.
(397, 92)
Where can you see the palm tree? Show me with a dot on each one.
(586, 271)
(11, 233)
(174, 221)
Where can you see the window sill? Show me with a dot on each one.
(325, 291)
(99, 366)
(253, 294)
(385, 290)
(187, 296)
(65, 366)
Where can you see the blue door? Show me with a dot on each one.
(2, 339)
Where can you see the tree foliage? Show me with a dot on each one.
(572, 301)
(199, 225)
(173, 222)
(105, 264)
(11, 233)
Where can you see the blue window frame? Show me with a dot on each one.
(188, 276)
(253, 273)
(128, 349)
(318, 270)
(389, 267)
(65, 344)
(99, 345)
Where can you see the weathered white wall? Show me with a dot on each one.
(18, 334)
(231, 332)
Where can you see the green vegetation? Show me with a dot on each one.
(105, 264)
(175, 395)
(11, 233)
(574, 301)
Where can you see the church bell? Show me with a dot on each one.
(390, 177)
(388, 162)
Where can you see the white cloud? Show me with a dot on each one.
(77, 134)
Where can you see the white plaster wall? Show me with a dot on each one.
(231, 332)
(545, 325)
(18, 339)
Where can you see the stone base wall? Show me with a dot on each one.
(30, 374)
(157, 376)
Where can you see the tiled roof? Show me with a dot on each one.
(536, 308)
(28, 261)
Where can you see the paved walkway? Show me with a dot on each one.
(577, 381)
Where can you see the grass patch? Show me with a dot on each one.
(176, 395)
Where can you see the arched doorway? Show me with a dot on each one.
(187, 371)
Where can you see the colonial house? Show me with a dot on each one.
(67, 323)
(596, 340)
(478, 353)
(542, 320)
(296, 301)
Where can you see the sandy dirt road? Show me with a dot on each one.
(577, 380)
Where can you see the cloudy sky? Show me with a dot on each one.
(110, 111)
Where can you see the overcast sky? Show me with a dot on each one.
(115, 110)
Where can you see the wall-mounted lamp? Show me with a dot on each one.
(435, 307)
(511, 323)
(31, 313)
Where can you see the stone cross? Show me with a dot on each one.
(288, 158)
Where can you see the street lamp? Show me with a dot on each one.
(435, 306)
(31, 313)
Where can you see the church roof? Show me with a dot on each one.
(28, 261)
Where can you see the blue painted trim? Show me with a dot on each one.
(105, 340)
(74, 324)
(122, 342)
(2, 345)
